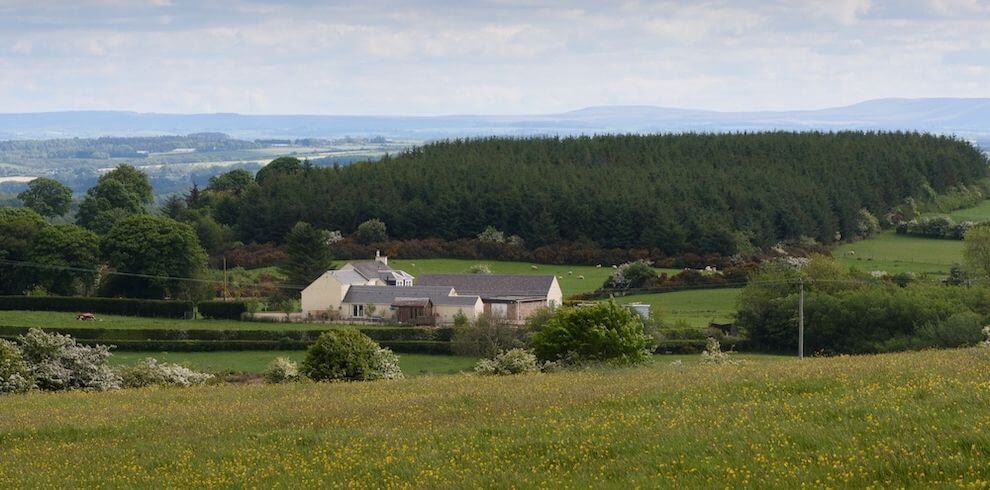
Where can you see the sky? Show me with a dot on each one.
(484, 57)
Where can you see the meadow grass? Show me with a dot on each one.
(895, 253)
(256, 361)
(696, 307)
(567, 275)
(897, 420)
(411, 364)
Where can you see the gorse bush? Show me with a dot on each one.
(348, 355)
(603, 332)
(514, 361)
(281, 370)
(151, 372)
(57, 362)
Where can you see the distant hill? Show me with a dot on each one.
(968, 118)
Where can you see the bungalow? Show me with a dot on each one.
(370, 289)
(506, 296)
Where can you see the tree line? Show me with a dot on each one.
(699, 193)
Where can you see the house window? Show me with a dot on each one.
(358, 310)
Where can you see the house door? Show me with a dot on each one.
(500, 310)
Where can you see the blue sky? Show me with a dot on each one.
(494, 57)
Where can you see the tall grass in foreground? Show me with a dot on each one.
(911, 419)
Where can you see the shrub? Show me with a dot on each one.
(15, 374)
(961, 329)
(151, 372)
(348, 355)
(108, 306)
(222, 310)
(57, 362)
(487, 337)
(713, 353)
(371, 231)
(479, 269)
(603, 332)
(281, 370)
(631, 275)
(514, 361)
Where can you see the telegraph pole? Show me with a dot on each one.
(225, 278)
(801, 323)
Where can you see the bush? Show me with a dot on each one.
(151, 372)
(371, 231)
(631, 275)
(222, 310)
(959, 330)
(713, 353)
(109, 306)
(514, 361)
(487, 337)
(347, 354)
(57, 362)
(15, 374)
(603, 332)
(281, 370)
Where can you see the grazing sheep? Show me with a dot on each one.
(533, 267)
(570, 273)
(580, 277)
(599, 266)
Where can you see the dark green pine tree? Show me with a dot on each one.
(307, 254)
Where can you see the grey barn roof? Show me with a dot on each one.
(491, 286)
(439, 295)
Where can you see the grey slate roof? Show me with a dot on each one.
(439, 295)
(491, 286)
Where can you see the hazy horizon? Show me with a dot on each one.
(487, 57)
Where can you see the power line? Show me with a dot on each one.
(36, 265)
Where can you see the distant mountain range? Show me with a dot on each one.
(968, 118)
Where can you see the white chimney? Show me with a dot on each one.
(381, 258)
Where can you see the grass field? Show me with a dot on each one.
(594, 277)
(900, 420)
(256, 361)
(895, 253)
(49, 319)
(695, 307)
(977, 213)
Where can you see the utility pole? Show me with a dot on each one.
(225, 278)
(801, 323)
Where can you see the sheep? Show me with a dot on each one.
(533, 267)
(581, 277)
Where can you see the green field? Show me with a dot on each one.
(255, 361)
(899, 420)
(567, 275)
(51, 319)
(979, 213)
(696, 307)
(895, 253)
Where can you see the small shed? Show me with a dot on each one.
(417, 311)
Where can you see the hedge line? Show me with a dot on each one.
(401, 346)
(696, 346)
(109, 306)
(305, 336)
(221, 310)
